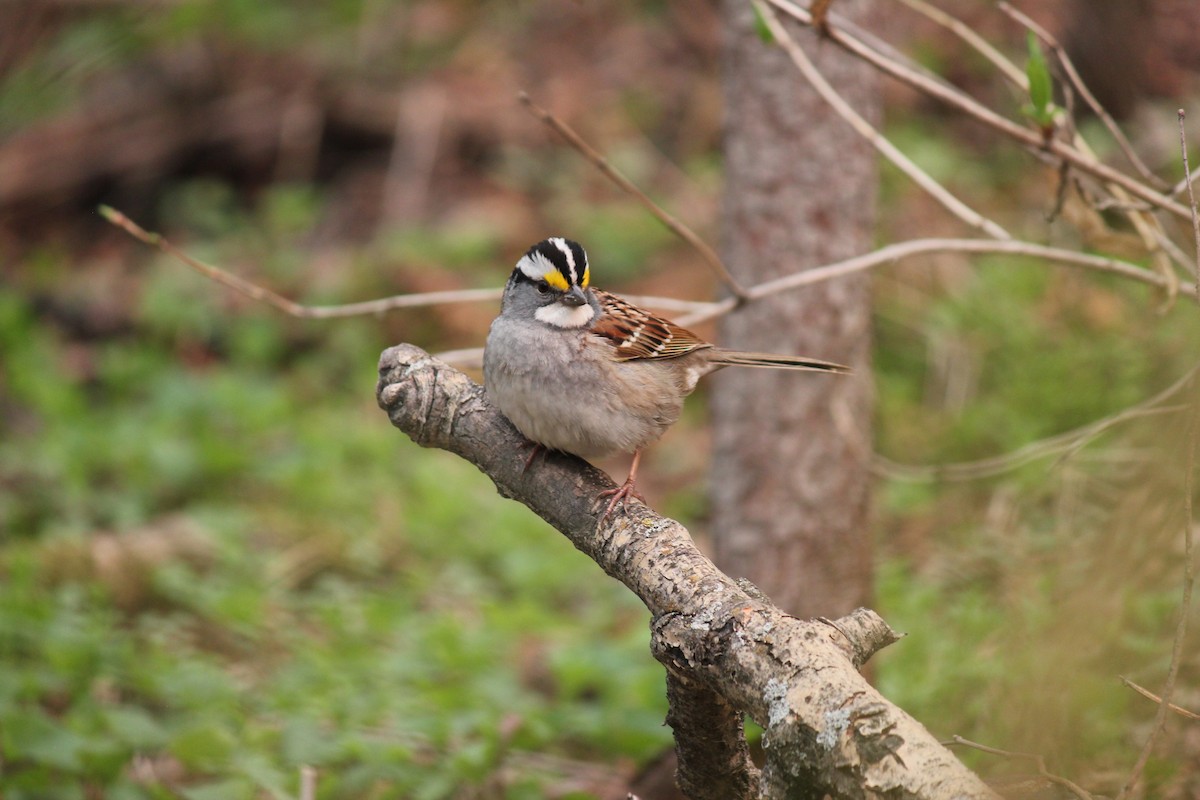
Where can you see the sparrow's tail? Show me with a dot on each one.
(736, 358)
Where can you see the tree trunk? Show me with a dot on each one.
(790, 473)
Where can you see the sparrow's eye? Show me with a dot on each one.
(543, 287)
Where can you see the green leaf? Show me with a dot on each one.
(135, 727)
(1040, 86)
(203, 746)
(761, 28)
(32, 735)
(235, 789)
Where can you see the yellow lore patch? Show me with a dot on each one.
(556, 279)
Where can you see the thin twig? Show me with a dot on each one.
(1184, 183)
(1189, 568)
(888, 150)
(308, 783)
(895, 252)
(971, 37)
(820, 15)
(260, 293)
(1039, 762)
(290, 307)
(1149, 695)
(1065, 443)
(612, 173)
(1076, 81)
(698, 311)
(899, 250)
(1187, 177)
(1147, 226)
(973, 108)
(1060, 194)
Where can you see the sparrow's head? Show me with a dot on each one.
(552, 280)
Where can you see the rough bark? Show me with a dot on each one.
(790, 471)
(827, 729)
(714, 762)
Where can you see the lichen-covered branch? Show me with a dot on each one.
(826, 728)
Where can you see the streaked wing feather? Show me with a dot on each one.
(640, 334)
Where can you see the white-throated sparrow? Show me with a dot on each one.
(583, 371)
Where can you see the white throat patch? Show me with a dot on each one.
(561, 315)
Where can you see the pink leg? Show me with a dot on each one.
(626, 489)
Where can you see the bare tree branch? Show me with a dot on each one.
(797, 679)
(612, 173)
(287, 306)
(1149, 695)
(971, 37)
(1038, 761)
(1147, 226)
(290, 307)
(1187, 178)
(1025, 136)
(888, 150)
(1072, 74)
(1063, 443)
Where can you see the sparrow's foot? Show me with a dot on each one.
(535, 450)
(618, 495)
(626, 489)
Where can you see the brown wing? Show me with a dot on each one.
(640, 334)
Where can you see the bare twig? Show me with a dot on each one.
(1147, 227)
(260, 293)
(1060, 194)
(1081, 88)
(1076, 81)
(895, 252)
(308, 783)
(867, 131)
(291, 307)
(1187, 178)
(901, 250)
(1149, 695)
(1064, 443)
(612, 173)
(969, 35)
(1026, 136)
(820, 15)
(1038, 761)
(697, 311)
(1183, 185)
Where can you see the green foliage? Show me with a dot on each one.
(344, 600)
(761, 28)
(1040, 108)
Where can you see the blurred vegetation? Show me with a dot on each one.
(219, 562)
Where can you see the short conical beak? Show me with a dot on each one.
(575, 297)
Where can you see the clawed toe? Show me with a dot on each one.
(533, 453)
(626, 489)
(618, 495)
